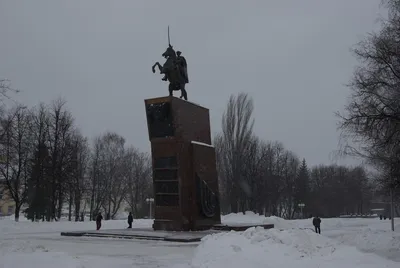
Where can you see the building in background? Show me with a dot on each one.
(381, 204)
(7, 204)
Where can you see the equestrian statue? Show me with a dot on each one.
(174, 70)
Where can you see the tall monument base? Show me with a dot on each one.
(185, 180)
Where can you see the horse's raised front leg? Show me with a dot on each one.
(156, 64)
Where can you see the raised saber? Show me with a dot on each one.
(169, 42)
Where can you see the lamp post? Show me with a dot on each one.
(301, 206)
(150, 201)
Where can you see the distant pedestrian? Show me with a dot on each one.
(99, 218)
(130, 220)
(317, 224)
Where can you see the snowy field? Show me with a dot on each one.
(344, 243)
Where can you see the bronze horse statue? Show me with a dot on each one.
(175, 70)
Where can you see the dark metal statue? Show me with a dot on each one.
(174, 70)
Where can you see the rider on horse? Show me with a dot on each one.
(174, 70)
(181, 64)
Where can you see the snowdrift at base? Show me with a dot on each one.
(257, 247)
(381, 242)
(250, 217)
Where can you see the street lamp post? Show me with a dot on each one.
(150, 201)
(301, 206)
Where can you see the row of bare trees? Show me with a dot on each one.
(370, 125)
(47, 166)
(118, 174)
(264, 177)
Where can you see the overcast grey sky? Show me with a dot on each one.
(292, 56)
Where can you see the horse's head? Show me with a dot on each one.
(170, 52)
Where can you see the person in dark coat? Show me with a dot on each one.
(99, 218)
(130, 220)
(317, 224)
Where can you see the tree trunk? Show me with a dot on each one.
(109, 207)
(60, 204)
(234, 201)
(17, 209)
(70, 208)
(49, 211)
(53, 199)
(91, 206)
(77, 206)
(136, 209)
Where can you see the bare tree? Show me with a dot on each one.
(252, 174)
(81, 178)
(138, 173)
(291, 165)
(337, 189)
(108, 178)
(78, 180)
(372, 117)
(38, 189)
(275, 177)
(302, 187)
(97, 186)
(237, 132)
(60, 130)
(16, 148)
(6, 89)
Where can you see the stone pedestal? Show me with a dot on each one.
(185, 180)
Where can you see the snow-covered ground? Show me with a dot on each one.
(344, 243)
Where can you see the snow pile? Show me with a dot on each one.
(382, 242)
(12, 217)
(248, 217)
(123, 215)
(367, 235)
(280, 223)
(257, 247)
(252, 218)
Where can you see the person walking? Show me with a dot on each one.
(99, 218)
(317, 224)
(130, 220)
